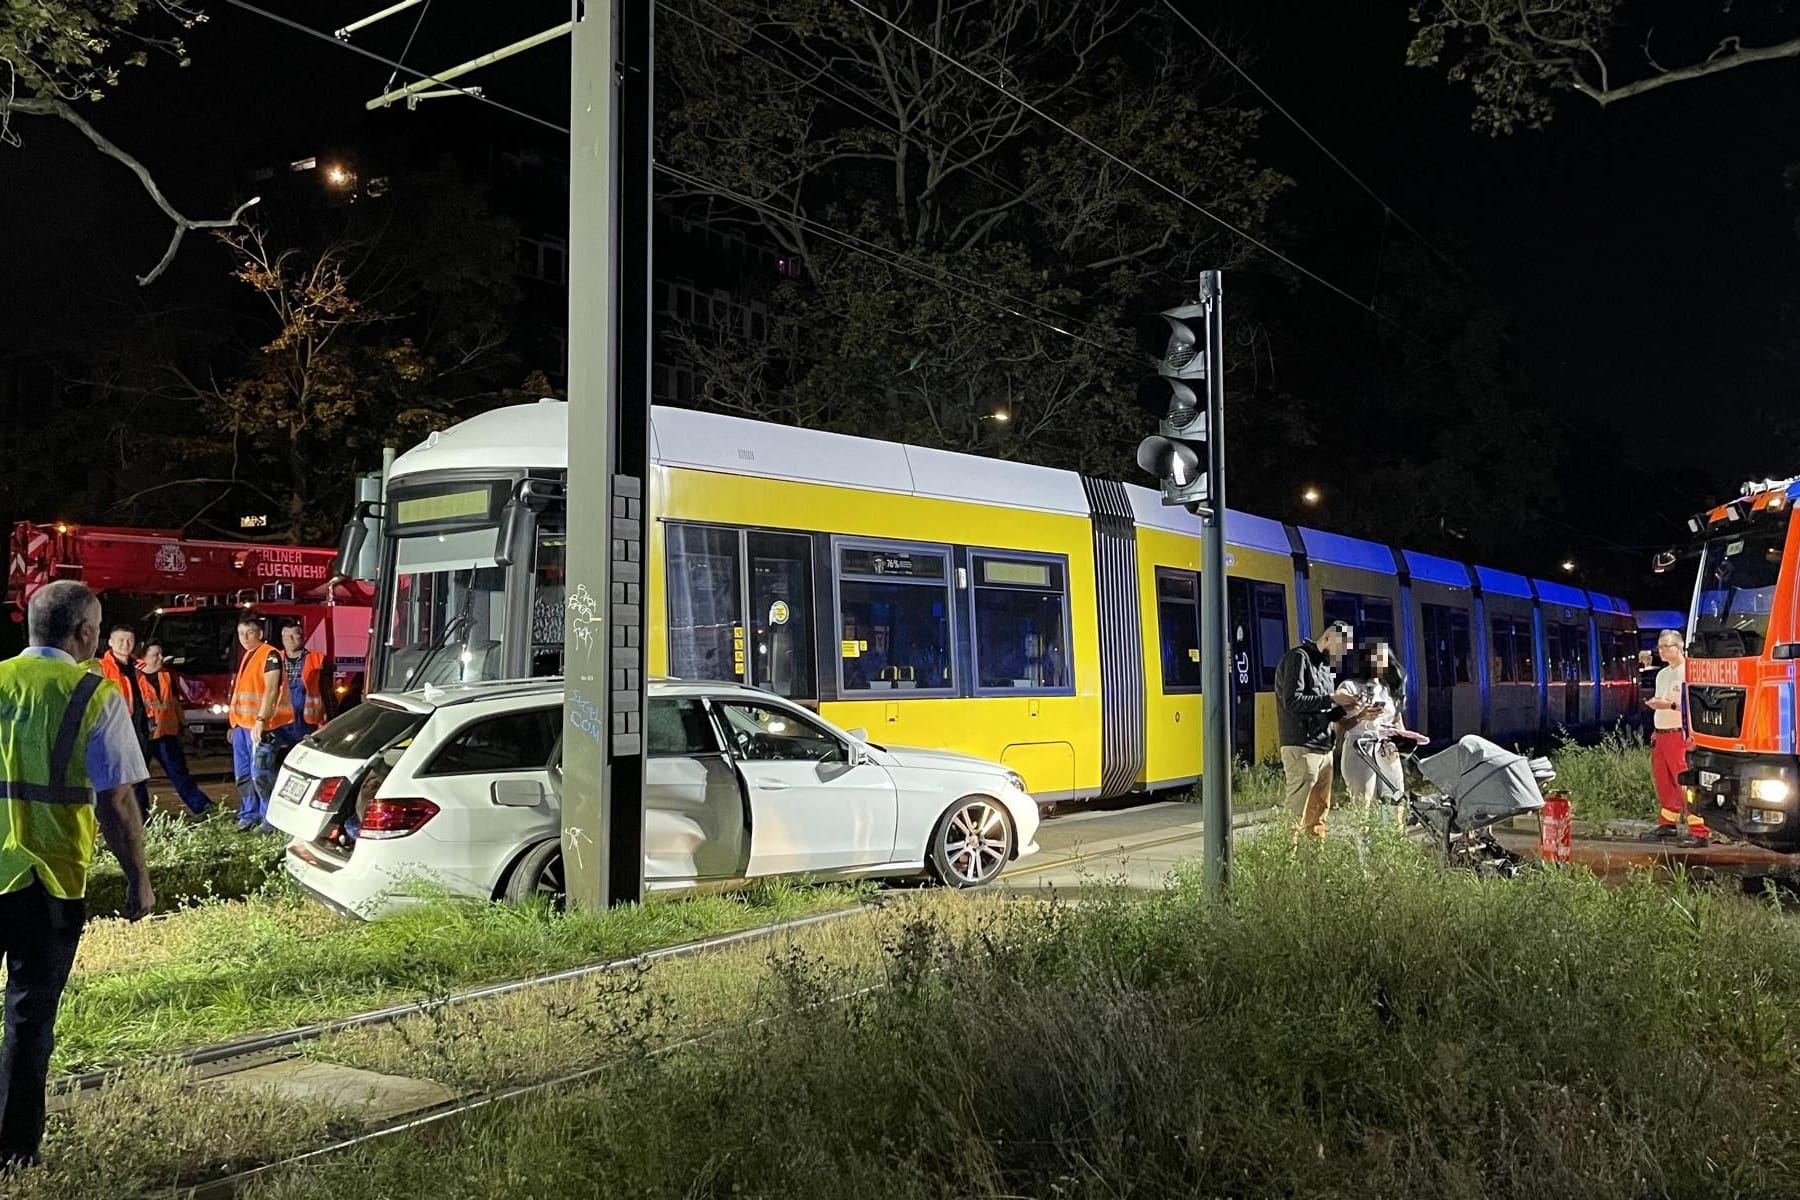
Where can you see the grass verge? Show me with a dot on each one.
(221, 970)
(190, 862)
(1340, 1029)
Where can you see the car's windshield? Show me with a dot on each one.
(447, 589)
(1738, 577)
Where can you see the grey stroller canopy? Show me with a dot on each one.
(1483, 782)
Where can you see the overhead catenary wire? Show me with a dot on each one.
(422, 76)
(407, 49)
(1388, 210)
(1006, 302)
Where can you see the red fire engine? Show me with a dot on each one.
(1744, 645)
(192, 594)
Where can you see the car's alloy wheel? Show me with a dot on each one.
(973, 842)
(539, 875)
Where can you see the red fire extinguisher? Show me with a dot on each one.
(1555, 832)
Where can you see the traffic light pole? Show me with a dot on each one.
(1215, 656)
(609, 443)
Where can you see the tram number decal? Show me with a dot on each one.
(1243, 667)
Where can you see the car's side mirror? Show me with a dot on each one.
(860, 735)
(518, 793)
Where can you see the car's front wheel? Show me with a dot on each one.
(539, 876)
(971, 843)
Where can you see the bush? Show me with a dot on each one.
(1338, 1030)
(1257, 787)
(1609, 779)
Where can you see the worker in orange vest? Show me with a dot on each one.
(302, 707)
(118, 663)
(161, 693)
(255, 699)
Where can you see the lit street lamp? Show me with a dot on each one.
(1568, 566)
(339, 176)
(1312, 495)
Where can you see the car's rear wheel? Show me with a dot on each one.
(539, 876)
(971, 843)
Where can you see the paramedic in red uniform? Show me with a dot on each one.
(1669, 745)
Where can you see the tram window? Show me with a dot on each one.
(548, 603)
(1021, 624)
(1372, 617)
(1513, 657)
(1556, 653)
(1446, 645)
(894, 620)
(679, 727)
(1505, 669)
(1178, 623)
(706, 625)
(1459, 644)
(1271, 629)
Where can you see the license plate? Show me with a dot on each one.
(1709, 779)
(196, 729)
(294, 788)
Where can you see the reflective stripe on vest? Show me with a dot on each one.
(48, 828)
(252, 685)
(312, 676)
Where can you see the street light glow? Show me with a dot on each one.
(1568, 566)
(1311, 495)
(338, 176)
(1002, 416)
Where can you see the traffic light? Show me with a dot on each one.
(1176, 453)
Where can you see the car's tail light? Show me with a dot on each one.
(395, 817)
(325, 797)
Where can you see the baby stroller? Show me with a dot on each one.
(1457, 794)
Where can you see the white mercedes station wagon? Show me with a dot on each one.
(457, 790)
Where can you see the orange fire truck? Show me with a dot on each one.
(1743, 650)
(190, 594)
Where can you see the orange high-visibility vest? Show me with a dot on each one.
(162, 700)
(109, 667)
(312, 675)
(252, 681)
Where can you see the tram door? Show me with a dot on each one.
(1242, 635)
(781, 617)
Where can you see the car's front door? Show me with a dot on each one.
(816, 804)
(696, 825)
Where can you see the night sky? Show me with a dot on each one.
(1644, 252)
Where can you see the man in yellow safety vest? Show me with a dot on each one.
(69, 760)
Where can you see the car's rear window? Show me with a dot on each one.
(515, 741)
(366, 730)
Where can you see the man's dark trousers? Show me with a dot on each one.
(38, 934)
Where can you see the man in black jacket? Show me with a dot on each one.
(1307, 712)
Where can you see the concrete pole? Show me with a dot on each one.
(609, 286)
(1215, 655)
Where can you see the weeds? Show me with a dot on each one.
(1608, 780)
(1344, 1027)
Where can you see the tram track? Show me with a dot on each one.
(240, 1054)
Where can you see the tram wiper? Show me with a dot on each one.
(455, 625)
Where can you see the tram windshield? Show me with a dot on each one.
(448, 616)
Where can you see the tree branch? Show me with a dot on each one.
(1729, 54)
(56, 108)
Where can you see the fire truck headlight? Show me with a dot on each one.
(218, 710)
(1770, 791)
